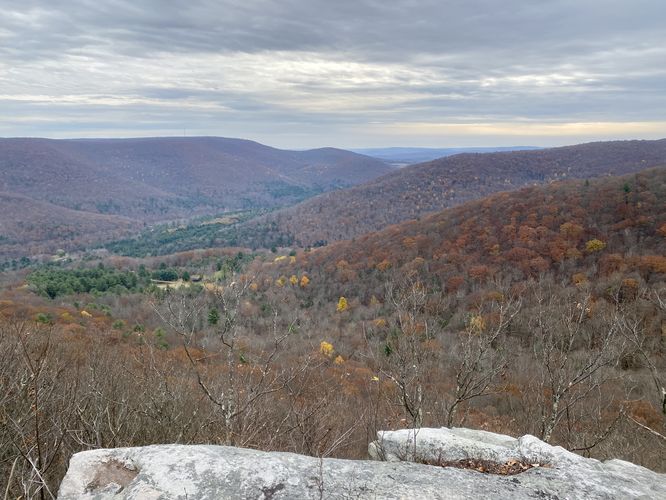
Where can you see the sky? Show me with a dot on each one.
(347, 73)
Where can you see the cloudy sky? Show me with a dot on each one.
(347, 73)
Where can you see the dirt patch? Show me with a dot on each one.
(509, 468)
(112, 472)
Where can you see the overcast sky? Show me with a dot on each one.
(346, 73)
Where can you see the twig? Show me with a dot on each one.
(643, 426)
(9, 480)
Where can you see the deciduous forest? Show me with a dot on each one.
(539, 311)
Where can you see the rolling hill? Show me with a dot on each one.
(580, 231)
(424, 188)
(31, 227)
(161, 179)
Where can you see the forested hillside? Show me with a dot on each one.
(167, 177)
(424, 188)
(29, 227)
(595, 227)
(153, 180)
(521, 306)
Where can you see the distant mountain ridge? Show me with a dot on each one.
(406, 156)
(202, 171)
(424, 188)
(160, 179)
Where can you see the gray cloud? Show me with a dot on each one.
(300, 73)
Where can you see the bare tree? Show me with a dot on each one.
(235, 377)
(35, 414)
(659, 378)
(633, 327)
(407, 355)
(572, 345)
(482, 356)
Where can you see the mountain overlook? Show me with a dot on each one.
(419, 189)
(188, 316)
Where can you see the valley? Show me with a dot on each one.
(125, 184)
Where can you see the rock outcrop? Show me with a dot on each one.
(554, 471)
(214, 472)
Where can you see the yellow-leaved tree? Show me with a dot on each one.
(595, 245)
(477, 323)
(342, 305)
(326, 348)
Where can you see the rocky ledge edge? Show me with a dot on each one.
(396, 471)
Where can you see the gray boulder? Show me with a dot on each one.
(444, 444)
(556, 472)
(220, 472)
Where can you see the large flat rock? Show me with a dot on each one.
(220, 472)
